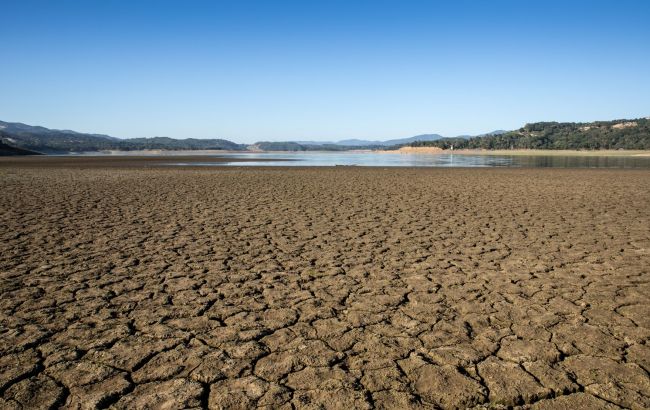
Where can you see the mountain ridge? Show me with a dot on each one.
(362, 142)
(615, 134)
(54, 141)
(621, 134)
(9, 150)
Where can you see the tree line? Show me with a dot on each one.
(619, 134)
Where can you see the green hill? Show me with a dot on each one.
(9, 150)
(52, 141)
(598, 135)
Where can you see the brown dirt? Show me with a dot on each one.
(108, 161)
(323, 288)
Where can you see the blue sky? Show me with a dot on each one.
(324, 70)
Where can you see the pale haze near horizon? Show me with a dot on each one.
(251, 71)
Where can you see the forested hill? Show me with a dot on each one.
(52, 141)
(8, 150)
(618, 134)
(45, 140)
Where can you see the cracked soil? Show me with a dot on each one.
(324, 288)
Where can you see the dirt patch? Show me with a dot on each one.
(628, 124)
(335, 288)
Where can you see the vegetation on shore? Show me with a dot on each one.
(48, 141)
(557, 152)
(8, 150)
(599, 135)
(45, 140)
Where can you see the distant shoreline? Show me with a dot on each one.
(154, 152)
(549, 152)
(517, 152)
(403, 150)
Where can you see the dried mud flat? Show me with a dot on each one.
(324, 288)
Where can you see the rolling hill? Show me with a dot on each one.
(617, 134)
(50, 141)
(598, 135)
(8, 150)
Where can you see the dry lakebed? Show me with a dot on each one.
(124, 284)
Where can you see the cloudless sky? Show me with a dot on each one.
(324, 70)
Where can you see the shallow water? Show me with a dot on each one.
(427, 160)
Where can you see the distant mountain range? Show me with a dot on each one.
(18, 138)
(387, 143)
(51, 141)
(18, 128)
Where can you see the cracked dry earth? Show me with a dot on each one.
(324, 288)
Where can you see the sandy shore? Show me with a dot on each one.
(137, 287)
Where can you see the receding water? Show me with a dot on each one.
(374, 159)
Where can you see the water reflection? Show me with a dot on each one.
(303, 159)
(582, 162)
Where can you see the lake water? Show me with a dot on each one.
(307, 159)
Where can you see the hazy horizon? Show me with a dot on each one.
(328, 71)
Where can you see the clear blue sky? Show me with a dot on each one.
(282, 70)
